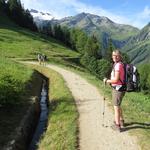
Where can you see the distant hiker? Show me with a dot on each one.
(44, 58)
(39, 57)
(116, 81)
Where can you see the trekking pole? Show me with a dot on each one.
(103, 106)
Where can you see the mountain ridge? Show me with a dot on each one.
(129, 39)
(101, 26)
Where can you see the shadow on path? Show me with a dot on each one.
(136, 125)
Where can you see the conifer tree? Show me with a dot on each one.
(15, 10)
(66, 35)
(2, 5)
(27, 20)
(57, 32)
(92, 46)
(73, 38)
(81, 41)
(21, 16)
(50, 30)
(109, 50)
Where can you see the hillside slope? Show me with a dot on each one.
(138, 47)
(19, 42)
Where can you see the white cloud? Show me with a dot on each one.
(142, 18)
(82, 7)
(146, 13)
(29, 4)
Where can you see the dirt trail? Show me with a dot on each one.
(92, 135)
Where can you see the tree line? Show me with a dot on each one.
(89, 47)
(15, 11)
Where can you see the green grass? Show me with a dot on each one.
(13, 79)
(26, 44)
(62, 127)
(16, 102)
(136, 107)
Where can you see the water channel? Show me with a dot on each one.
(42, 123)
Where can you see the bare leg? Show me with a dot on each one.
(117, 114)
(121, 114)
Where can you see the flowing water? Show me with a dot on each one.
(41, 126)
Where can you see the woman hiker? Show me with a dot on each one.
(116, 81)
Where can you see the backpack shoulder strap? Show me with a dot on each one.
(124, 67)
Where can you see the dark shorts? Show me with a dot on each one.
(117, 97)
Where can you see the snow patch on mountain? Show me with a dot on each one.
(41, 15)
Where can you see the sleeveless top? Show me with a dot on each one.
(119, 66)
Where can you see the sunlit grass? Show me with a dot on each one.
(26, 44)
(13, 79)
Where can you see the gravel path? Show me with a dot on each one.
(92, 135)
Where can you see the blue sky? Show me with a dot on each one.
(132, 12)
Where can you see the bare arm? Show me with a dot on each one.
(116, 78)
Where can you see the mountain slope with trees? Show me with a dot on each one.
(130, 39)
(17, 13)
(138, 47)
(102, 27)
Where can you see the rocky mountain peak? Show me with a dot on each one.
(94, 18)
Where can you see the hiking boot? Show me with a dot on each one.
(122, 124)
(116, 127)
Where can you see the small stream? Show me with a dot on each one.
(42, 123)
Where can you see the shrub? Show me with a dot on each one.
(92, 65)
(99, 67)
(103, 68)
(144, 77)
(13, 78)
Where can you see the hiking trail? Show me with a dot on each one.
(92, 135)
